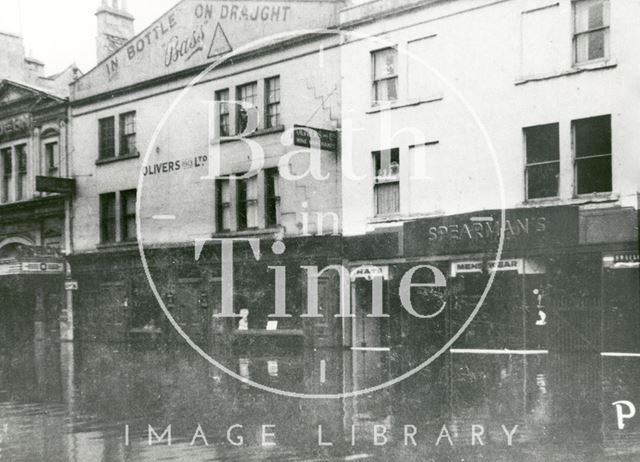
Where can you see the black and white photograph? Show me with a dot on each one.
(319, 230)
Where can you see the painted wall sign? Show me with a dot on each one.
(51, 184)
(328, 138)
(526, 228)
(175, 166)
(15, 127)
(196, 32)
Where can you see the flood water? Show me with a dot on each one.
(75, 402)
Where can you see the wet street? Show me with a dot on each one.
(98, 402)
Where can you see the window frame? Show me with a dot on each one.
(529, 165)
(271, 197)
(103, 140)
(224, 117)
(108, 222)
(243, 202)
(54, 154)
(125, 215)
(7, 177)
(221, 204)
(380, 182)
(606, 28)
(241, 113)
(375, 82)
(576, 159)
(22, 159)
(271, 105)
(124, 137)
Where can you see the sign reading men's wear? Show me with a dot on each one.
(15, 127)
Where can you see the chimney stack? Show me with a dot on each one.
(115, 27)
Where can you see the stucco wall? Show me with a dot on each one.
(479, 51)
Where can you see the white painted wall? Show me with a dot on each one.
(478, 48)
(305, 81)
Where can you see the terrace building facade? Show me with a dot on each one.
(36, 192)
(472, 118)
(199, 125)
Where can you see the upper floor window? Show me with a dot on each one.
(51, 155)
(224, 123)
(128, 134)
(591, 39)
(247, 93)
(272, 114)
(107, 140)
(108, 217)
(21, 156)
(272, 197)
(543, 160)
(7, 173)
(385, 75)
(386, 186)
(592, 144)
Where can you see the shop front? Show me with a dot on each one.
(32, 293)
(511, 293)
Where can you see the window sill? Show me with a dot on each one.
(254, 134)
(582, 199)
(387, 218)
(576, 69)
(111, 160)
(117, 245)
(407, 103)
(247, 232)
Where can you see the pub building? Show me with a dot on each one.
(293, 84)
(36, 192)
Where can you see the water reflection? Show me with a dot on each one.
(75, 402)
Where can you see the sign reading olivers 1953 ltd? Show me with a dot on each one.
(328, 139)
(526, 228)
(197, 32)
(15, 127)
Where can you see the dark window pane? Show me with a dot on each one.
(594, 175)
(128, 215)
(596, 16)
(596, 44)
(593, 136)
(108, 217)
(6, 160)
(271, 193)
(542, 143)
(242, 204)
(542, 180)
(107, 138)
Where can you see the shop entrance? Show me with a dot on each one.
(621, 303)
(369, 332)
(513, 315)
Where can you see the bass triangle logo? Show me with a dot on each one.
(219, 44)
